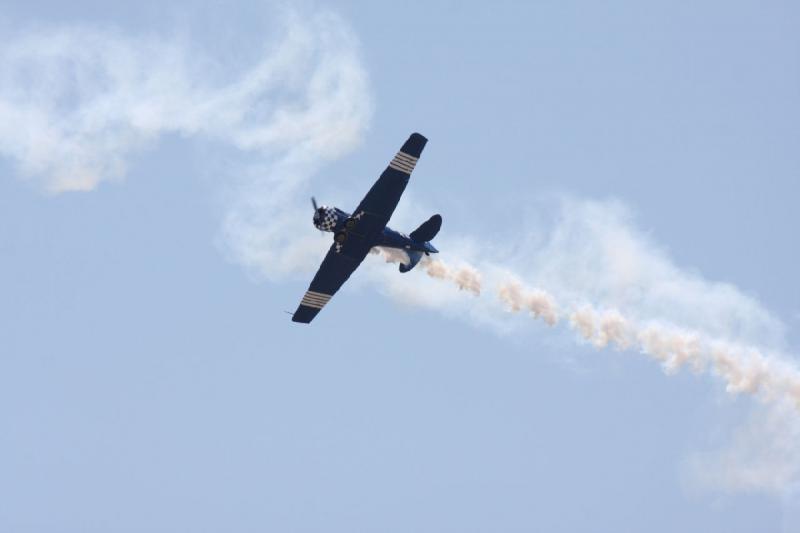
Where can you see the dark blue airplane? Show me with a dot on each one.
(354, 235)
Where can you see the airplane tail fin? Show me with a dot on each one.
(423, 234)
(427, 230)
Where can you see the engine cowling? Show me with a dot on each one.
(329, 218)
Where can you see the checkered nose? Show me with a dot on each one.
(325, 218)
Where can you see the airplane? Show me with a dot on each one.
(355, 234)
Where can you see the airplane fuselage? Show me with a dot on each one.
(334, 220)
(394, 239)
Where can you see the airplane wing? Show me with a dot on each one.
(371, 216)
(380, 202)
(334, 271)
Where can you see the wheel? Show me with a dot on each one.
(340, 237)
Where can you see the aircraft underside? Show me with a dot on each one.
(354, 235)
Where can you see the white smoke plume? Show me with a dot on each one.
(627, 295)
(537, 301)
(763, 455)
(77, 103)
(743, 368)
(464, 277)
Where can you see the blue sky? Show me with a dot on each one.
(154, 227)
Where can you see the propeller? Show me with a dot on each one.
(316, 208)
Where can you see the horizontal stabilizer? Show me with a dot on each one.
(428, 230)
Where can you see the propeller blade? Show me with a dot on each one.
(314, 203)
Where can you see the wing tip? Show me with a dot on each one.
(305, 314)
(414, 145)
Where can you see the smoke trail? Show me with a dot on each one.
(465, 277)
(647, 305)
(743, 368)
(77, 102)
(538, 302)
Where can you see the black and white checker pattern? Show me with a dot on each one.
(328, 220)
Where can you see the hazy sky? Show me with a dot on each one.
(156, 165)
